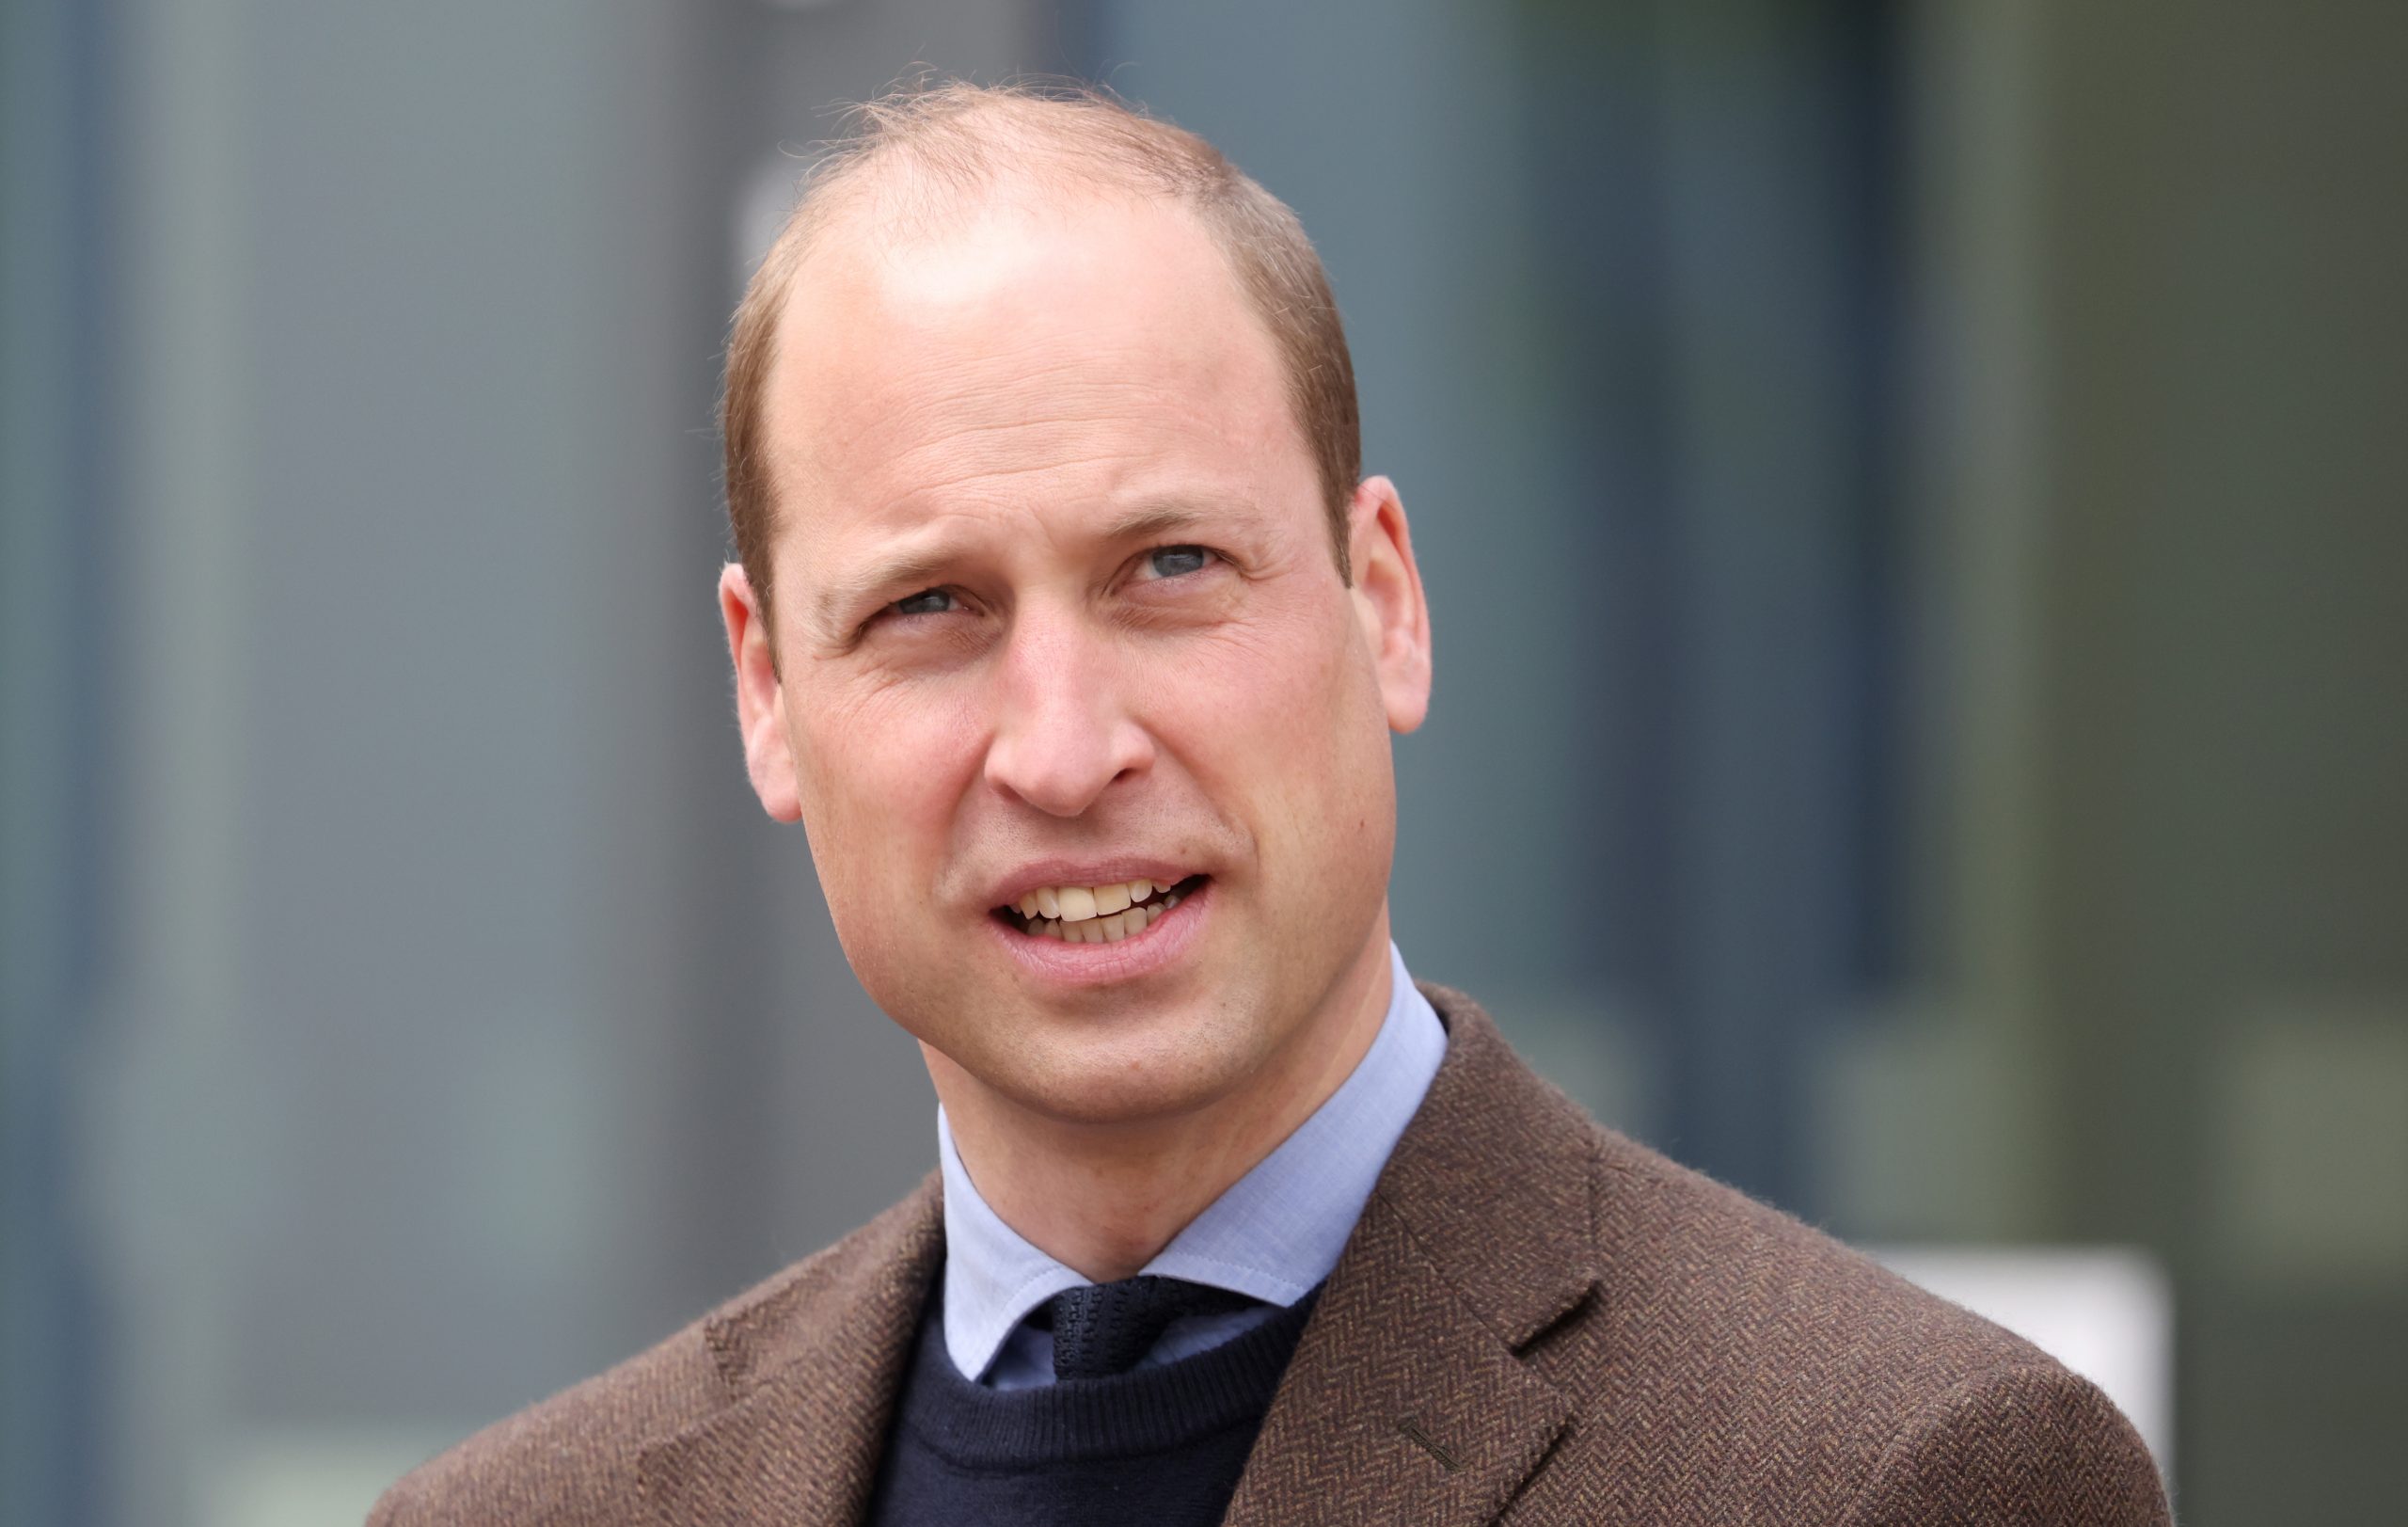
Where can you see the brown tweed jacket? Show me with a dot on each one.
(1535, 1321)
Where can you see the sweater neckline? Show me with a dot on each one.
(1146, 1411)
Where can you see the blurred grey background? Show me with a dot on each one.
(1913, 495)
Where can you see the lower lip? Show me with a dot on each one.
(1062, 964)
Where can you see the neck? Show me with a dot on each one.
(1105, 1199)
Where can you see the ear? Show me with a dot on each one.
(1388, 601)
(760, 696)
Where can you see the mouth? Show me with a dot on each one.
(1096, 914)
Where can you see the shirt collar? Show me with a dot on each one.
(1273, 1236)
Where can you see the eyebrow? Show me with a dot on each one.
(1149, 521)
(917, 568)
(838, 599)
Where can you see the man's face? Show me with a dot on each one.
(1056, 611)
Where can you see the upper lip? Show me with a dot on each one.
(1059, 873)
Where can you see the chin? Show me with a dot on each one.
(1159, 1071)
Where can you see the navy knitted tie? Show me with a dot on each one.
(1104, 1329)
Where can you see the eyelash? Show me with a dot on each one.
(895, 608)
(1209, 555)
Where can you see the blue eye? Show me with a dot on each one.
(1177, 560)
(926, 602)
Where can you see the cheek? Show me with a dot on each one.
(882, 774)
(1284, 725)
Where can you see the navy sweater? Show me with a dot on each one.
(1162, 1446)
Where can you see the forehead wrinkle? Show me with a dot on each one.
(812, 460)
(985, 389)
(982, 492)
(960, 429)
(914, 557)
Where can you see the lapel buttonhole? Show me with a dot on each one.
(1412, 1428)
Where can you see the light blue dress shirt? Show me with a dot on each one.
(1273, 1236)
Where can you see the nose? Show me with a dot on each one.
(1064, 731)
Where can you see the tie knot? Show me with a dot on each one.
(1105, 1329)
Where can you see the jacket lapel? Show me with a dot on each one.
(811, 1370)
(1408, 1399)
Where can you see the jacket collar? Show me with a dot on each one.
(811, 1370)
(1497, 1180)
(1407, 1398)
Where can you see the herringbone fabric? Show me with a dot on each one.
(1536, 1321)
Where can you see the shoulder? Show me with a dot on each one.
(574, 1458)
(1814, 1366)
(1727, 1352)
(2017, 1442)
(556, 1461)
(1738, 1287)
(1761, 1313)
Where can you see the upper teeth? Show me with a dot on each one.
(1096, 914)
(1077, 903)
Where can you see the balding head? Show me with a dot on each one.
(916, 158)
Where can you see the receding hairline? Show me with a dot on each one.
(862, 230)
(917, 155)
(915, 182)
(915, 161)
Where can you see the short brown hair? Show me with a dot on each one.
(951, 139)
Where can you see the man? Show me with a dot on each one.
(1067, 626)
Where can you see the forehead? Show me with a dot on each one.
(1022, 358)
